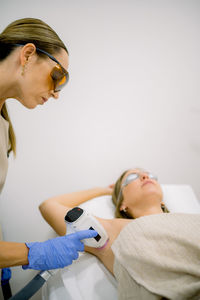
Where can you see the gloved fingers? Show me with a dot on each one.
(63, 254)
(79, 246)
(58, 252)
(52, 254)
(85, 234)
(75, 255)
(72, 243)
(72, 252)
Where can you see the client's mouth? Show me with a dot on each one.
(148, 181)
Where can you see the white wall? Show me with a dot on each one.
(132, 100)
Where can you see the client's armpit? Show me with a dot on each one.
(113, 228)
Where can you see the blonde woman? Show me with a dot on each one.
(150, 256)
(33, 68)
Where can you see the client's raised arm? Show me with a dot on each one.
(55, 208)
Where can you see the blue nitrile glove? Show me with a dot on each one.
(58, 252)
(5, 275)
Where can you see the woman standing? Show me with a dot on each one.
(33, 68)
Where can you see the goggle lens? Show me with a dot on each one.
(133, 176)
(60, 78)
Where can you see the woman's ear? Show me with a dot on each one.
(27, 51)
(122, 207)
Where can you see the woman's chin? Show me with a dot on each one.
(30, 106)
(28, 103)
(157, 193)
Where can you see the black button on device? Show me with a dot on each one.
(73, 214)
(98, 237)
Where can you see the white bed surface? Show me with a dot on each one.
(86, 279)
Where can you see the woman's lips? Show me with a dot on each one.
(44, 99)
(148, 181)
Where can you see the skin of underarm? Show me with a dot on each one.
(113, 228)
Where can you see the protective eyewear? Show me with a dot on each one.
(133, 176)
(59, 75)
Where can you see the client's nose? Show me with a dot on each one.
(144, 176)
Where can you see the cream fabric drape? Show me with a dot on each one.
(159, 256)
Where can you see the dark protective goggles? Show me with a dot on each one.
(59, 75)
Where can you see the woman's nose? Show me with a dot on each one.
(144, 176)
(55, 95)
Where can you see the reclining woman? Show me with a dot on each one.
(155, 255)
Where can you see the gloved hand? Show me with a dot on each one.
(58, 252)
(5, 275)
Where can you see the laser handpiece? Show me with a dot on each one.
(78, 219)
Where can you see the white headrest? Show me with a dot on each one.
(178, 198)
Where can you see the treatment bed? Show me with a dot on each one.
(87, 278)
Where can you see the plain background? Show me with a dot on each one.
(132, 100)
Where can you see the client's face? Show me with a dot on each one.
(141, 190)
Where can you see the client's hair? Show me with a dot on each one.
(117, 202)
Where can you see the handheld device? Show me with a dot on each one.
(78, 219)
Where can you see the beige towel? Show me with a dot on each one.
(159, 256)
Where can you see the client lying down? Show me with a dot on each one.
(154, 256)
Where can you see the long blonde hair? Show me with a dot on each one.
(117, 198)
(22, 31)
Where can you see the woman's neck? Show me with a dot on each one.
(145, 211)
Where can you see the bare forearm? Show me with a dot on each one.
(13, 254)
(54, 209)
(76, 198)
